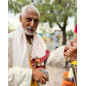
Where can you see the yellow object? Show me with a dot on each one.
(70, 74)
(33, 83)
(74, 62)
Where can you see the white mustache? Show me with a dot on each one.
(29, 27)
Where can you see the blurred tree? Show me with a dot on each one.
(75, 12)
(70, 33)
(15, 6)
(52, 11)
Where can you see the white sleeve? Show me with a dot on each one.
(19, 77)
(56, 56)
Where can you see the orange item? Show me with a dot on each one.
(65, 82)
(33, 83)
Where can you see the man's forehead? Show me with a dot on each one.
(32, 14)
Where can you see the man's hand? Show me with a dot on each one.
(70, 51)
(37, 75)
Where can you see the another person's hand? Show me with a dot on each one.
(37, 75)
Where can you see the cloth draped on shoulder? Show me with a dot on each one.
(20, 48)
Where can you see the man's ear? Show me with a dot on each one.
(20, 18)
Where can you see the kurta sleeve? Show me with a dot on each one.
(17, 76)
(56, 56)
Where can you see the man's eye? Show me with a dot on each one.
(29, 19)
(36, 20)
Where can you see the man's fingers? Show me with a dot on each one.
(70, 48)
(37, 75)
(67, 47)
(40, 80)
(43, 80)
(65, 53)
(70, 52)
(45, 77)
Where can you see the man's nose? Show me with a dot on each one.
(32, 23)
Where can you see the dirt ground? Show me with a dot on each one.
(55, 75)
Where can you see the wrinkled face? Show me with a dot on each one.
(30, 22)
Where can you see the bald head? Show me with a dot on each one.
(29, 8)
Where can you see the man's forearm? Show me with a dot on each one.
(56, 56)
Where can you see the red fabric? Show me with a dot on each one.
(41, 59)
(75, 29)
(65, 82)
(40, 66)
(45, 57)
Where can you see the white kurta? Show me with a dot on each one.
(21, 76)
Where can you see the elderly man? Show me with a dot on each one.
(25, 47)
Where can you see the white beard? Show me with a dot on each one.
(28, 32)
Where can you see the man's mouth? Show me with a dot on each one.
(31, 30)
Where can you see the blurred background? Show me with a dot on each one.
(56, 26)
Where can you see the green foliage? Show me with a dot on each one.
(56, 12)
(70, 33)
(14, 6)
